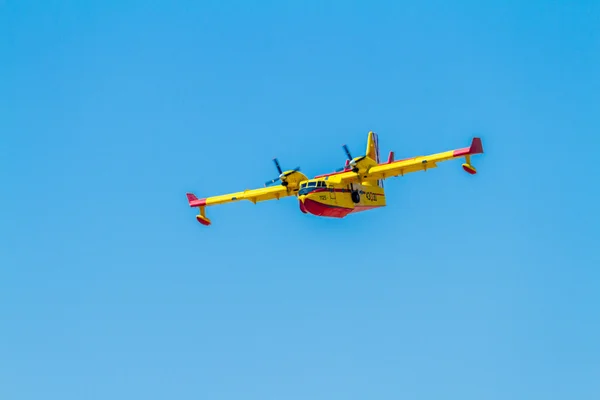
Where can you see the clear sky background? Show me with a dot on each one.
(463, 287)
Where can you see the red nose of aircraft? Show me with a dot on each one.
(310, 203)
(301, 204)
(306, 203)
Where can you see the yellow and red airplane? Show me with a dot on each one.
(358, 186)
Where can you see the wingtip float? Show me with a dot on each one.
(355, 187)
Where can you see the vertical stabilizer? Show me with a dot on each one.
(372, 147)
(373, 151)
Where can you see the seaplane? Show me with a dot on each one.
(355, 187)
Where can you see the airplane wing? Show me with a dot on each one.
(415, 164)
(253, 195)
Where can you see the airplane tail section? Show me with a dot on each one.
(373, 150)
(373, 147)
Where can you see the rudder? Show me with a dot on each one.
(373, 150)
(373, 147)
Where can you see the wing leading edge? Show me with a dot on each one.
(423, 163)
(393, 168)
(253, 195)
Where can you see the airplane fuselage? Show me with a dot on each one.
(326, 199)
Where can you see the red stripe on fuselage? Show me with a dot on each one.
(319, 190)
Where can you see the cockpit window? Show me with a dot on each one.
(310, 184)
(302, 185)
(320, 184)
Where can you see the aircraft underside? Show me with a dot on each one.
(337, 202)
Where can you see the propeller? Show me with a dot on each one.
(347, 152)
(281, 176)
(277, 166)
(350, 161)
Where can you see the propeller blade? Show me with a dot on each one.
(347, 152)
(291, 171)
(277, 165)
(269, 183)
(281, 176)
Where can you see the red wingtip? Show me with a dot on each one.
(194, 201)
(476, 146)
(191, 197)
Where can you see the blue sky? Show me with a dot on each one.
(463, 287)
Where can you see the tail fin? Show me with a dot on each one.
(373, 151)
(373, 147)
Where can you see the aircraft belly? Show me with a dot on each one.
(338, 202)
(327, 204)
(325, 208)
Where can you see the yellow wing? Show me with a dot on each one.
(290, 182)
(253, 195)
(372, 172)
